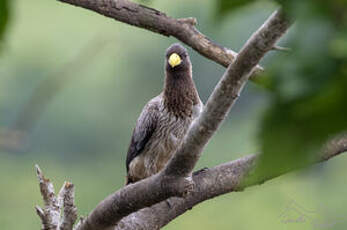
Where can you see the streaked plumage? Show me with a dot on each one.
(165, 119)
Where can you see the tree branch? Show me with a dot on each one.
(172, 181)
(175, 179)
(151, 19)
(132, 198)
(282, 49)
(209, 183)
(50, 216)
(67, 196)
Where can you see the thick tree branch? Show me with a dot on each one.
(210, 183)
(151, 19)
(132, 198)
(172, 181)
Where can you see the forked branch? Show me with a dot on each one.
(175, 179)
(59, 212)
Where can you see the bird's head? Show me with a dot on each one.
(177, 59)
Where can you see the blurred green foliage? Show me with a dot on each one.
(4, 15)
(308, 85)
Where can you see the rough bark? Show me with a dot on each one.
(134, 197)
(60, 212)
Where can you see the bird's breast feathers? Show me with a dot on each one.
(167, 137)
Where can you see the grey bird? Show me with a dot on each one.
(165, 119)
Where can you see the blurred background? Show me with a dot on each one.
(72, 84)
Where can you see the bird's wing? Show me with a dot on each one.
(144, 129)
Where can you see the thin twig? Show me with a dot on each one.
(282, 49)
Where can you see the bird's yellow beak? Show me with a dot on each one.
(174, 60)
